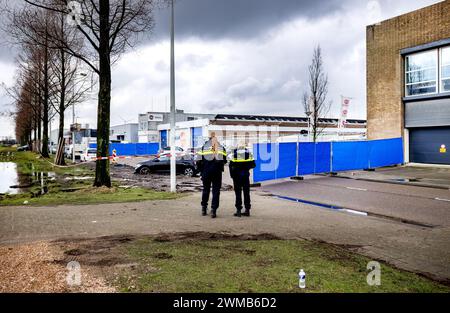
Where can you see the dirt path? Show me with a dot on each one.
(42, 267)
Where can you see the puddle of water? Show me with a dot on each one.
(323, 205)
(13, 182)
(346, 210)
(405, 180)
(9, 177)
(79, 178)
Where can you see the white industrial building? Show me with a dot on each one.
(232, 129)
(126, 133)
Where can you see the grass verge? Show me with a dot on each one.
(65, 187)
(28, 163)
(257, 266)
(88, 195)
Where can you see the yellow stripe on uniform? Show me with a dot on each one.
(209, 152)
(241, 160)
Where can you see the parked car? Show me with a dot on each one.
(185, 165)
(23, 148)
(88, 155)
(166, 150)
(53, 149)
(68, 152)
(193, 151)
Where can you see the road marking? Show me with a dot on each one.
(323, 205)
(355, 212)
(354, 188)
(440, 199)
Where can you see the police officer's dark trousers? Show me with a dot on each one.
(241, 182)
(216, 182)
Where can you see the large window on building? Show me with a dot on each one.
(427, 72)
(445, 69)
(421, 73)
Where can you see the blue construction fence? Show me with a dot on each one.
(137, 149)
(281, 160)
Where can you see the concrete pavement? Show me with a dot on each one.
(437, 176)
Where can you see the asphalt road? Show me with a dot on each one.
(421, 205)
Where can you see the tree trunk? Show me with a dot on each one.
(45, 105)
(39, 127)
(102, 177)
(62, 108)
(60, 160)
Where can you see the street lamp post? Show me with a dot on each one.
(173, 183)
(308, 115)
(309, 112)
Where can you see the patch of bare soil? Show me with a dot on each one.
(212, 236)
(125, 175)
(39, 267)
(43, 266)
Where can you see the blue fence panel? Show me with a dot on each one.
(141, 149)
(123, 148)
(126, 149)
(385, 152)
(314, 158)
(152, 148)
(287, 159)
(274, 161)
(265, 169)
(352, 155)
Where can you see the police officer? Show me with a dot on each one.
(241, 162)
(210, 162)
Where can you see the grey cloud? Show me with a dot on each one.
(215, 19)
(193, 60)
(250, 87)
(214, 105)
(253, 95)
(162, 66)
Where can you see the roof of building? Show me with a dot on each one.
(293, 119)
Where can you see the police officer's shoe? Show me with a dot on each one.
(246, 213)
(204, 212)
(238, 213)
(213, 214)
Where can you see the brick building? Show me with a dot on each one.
(408, 82)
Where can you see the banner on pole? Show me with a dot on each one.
(344, 111)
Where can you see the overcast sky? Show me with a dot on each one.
(239, 56)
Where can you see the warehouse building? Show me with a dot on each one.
(232, 129)
(408, 82)
(148, 123)
(126, 133)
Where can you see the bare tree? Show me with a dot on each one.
(70, 84)
(30, 29)
(27, 91)
(109, 27)
(24, 117)
(315, 99)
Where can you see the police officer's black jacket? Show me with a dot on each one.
(241, 162)
(210, 162)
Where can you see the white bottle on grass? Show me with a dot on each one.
(302, 279)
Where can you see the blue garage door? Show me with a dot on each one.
(196, 137)
(429, 145)
(163, 138)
